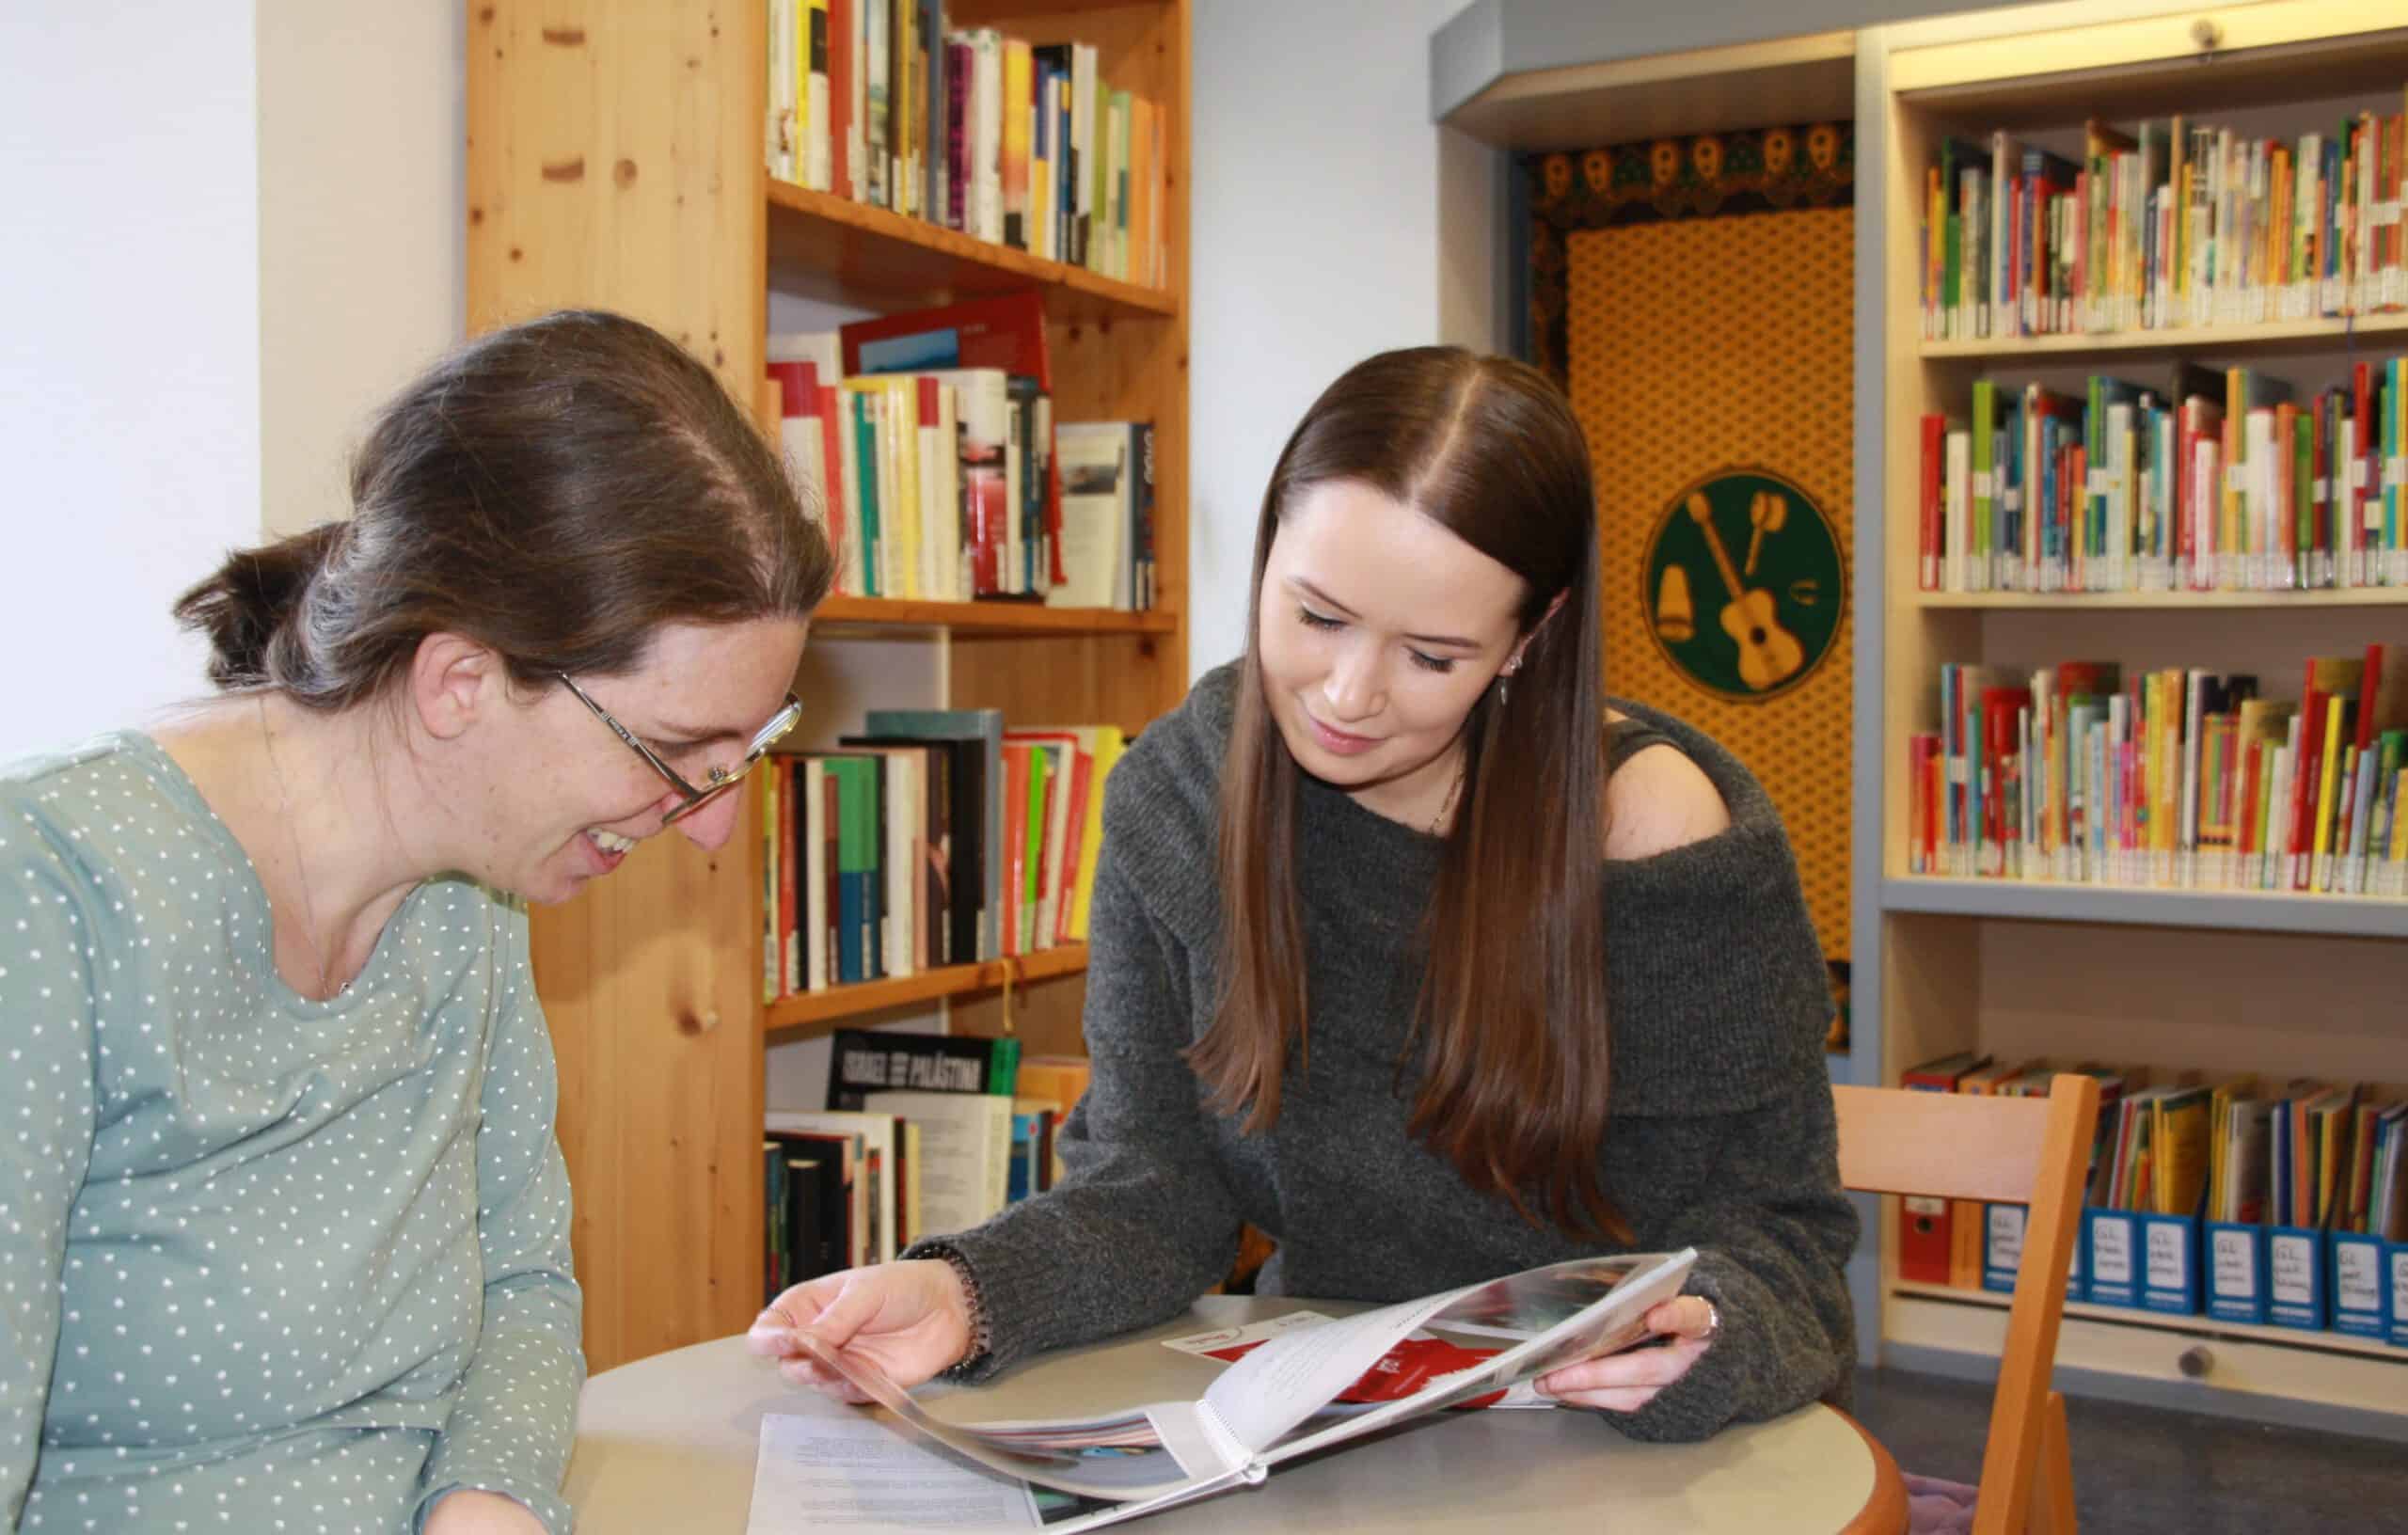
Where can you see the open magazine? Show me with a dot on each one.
(1303, 1382)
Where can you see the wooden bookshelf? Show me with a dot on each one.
(2347, 596)
(833, 247)
(2373, 330)
(2231, 911)
(1000, 618)
(619, 164)
(823, 1009)
(2168, 978)
(2261, 1374)
(2199, 1326)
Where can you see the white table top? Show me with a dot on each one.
(668, 1444)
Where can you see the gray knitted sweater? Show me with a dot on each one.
(1721, 1136)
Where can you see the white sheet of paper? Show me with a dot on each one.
(855, 1474)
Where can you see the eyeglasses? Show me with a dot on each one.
(720, 779)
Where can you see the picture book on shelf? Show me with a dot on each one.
(1280, 1387)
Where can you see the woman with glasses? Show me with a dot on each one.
(1415, 952)
(284, 1232)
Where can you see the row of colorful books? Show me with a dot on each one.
(934, 837)
(2182, 778)
(2176, 223)
(932, 439)
(920, 1135)
(1021, 144)
(2255, 1201)
(2199, 479)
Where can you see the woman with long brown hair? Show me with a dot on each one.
(285, 1231)
(1415, 952)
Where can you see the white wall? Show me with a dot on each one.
(227, 288)
(363, 255)
(232, 227)
(129, 364)
(1317, 190)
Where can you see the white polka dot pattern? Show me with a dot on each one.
(266, 1264)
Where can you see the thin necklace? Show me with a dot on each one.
(300, 867)
(1454, 786)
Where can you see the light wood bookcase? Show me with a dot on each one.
(2278, 983)
(615, 160)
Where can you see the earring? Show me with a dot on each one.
(1504, 683)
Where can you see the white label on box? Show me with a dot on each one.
(1982, 483)
(2098, 481)
(2111, 1251)
(2169, 1256)
(2005, 1236)
(2357, 1276)
(2234, 481)
(2235, 1270)
(2013, 500)
(2399, 1283)
(2357, 474)
(2293, 1262)
(1917, 1204)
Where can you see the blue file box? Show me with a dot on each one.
(2395, 1264)
(2360, 1297)
(2149, 1263)
(2235, 1272)
(2077, 1270)
(2296, 1290)
(2001, 1246)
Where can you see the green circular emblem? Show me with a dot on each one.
(1744, 585)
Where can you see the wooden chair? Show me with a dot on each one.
(2022, 1150)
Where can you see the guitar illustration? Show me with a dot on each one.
(1768, 652)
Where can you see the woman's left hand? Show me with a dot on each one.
(472, 1513)
(1625, 1382)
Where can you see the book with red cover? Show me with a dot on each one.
(1924, 1229)
(2001, 773)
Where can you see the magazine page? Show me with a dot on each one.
(1291, 1377)
(1560, 1314)
(1127, 1458)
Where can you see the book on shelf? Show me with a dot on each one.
(864, 1061)
(2176, 779)
(933, 838)
(2186, 480)
(961, 1153)
(974, 129)
(2173, 223)
(1926, 1225)
(1235, 1403)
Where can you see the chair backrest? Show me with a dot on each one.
(2019, 1150)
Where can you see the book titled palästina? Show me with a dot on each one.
(1155, 1419)
(864, 1061)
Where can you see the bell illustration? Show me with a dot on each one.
(1675, 614)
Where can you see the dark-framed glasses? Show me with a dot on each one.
(720, 779)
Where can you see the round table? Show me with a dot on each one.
(669, 1442)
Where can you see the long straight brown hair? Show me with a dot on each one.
(1510, 1018)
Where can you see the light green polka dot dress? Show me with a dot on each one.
(266, 1264)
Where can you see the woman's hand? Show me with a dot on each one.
(1625, 1382)
(472, 1513)
(910, 1320)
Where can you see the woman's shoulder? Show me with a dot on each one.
(1657, 797)
(1680, 786)
(1172, 770)
(87, 799)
